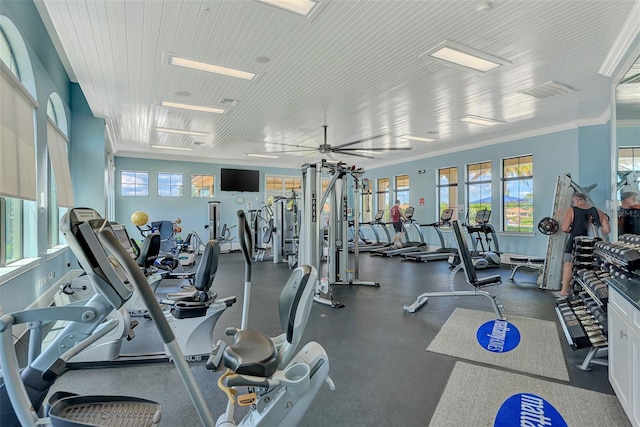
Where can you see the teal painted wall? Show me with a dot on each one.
(595, 161)
(88, 155)
(50, 76)
(553, 155)
(192, 211)
(580, 152)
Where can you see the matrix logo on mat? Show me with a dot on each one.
(498, 336)
(528, 410)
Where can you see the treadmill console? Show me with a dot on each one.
(81, 227)
(483, 216)
(446, 215)
(408, 212)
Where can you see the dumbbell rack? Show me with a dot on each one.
(584, 318)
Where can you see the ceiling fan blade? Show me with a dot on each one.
(358, 141)
(283, 144)
(295, 151)
(375, 149)
(352, 154)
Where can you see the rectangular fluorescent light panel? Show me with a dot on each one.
(476, 120)
(266, 156)
(182, 132)
(193, 107)
(457, 55)
(171, 148)
(301, 7)
(210, 68)
(417, 138)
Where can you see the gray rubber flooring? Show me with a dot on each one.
(379, 363)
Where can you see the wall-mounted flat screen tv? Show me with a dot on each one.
(239, 180)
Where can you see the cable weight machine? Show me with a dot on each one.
(339, 269)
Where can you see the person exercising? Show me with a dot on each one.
(577, 221)
(396, 219)
(629, 214)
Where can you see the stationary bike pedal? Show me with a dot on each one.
(246, 399)
(133, 324)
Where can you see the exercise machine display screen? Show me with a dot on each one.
(123, 237)
(81, 227)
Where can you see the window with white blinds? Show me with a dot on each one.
(17, 138)
(57, 145)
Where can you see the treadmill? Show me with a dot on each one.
(409, 246)
(368, 246)
(443, 252)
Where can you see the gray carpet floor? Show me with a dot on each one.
(539, 351)
(382, 373)
(492, 387)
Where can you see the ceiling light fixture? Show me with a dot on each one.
(193, 107)
(456, 55)
(182, 131)
(417, 138)
(266, 156)
(210, 68)
(301, 7)
(483, 121)
(172, 148)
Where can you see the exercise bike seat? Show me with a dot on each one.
(252, 353)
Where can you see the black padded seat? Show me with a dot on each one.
(252, 353)
(487, 281)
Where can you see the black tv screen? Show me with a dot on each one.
(239, 180)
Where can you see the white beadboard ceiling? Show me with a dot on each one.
(354, 66)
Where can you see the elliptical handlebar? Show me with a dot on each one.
(246, 246)
(246, 243)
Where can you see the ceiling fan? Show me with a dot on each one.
(325, 148)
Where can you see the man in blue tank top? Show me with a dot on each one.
(578, 219)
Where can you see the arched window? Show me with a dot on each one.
(60, 190)
(18, 232)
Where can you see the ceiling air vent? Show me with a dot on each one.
(548, 90)
(230, 102)
(198, 143)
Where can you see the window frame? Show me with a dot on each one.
(440, 186)
(518, 203)
(401, 191)
(27, 208)
(135, 183)
(482, 183)
(386, 197)
(287, 184)
(171, 186)
(195, 189)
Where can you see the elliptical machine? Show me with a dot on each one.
(284, 384)
(281, 384)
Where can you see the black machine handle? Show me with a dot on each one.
(246, 243)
